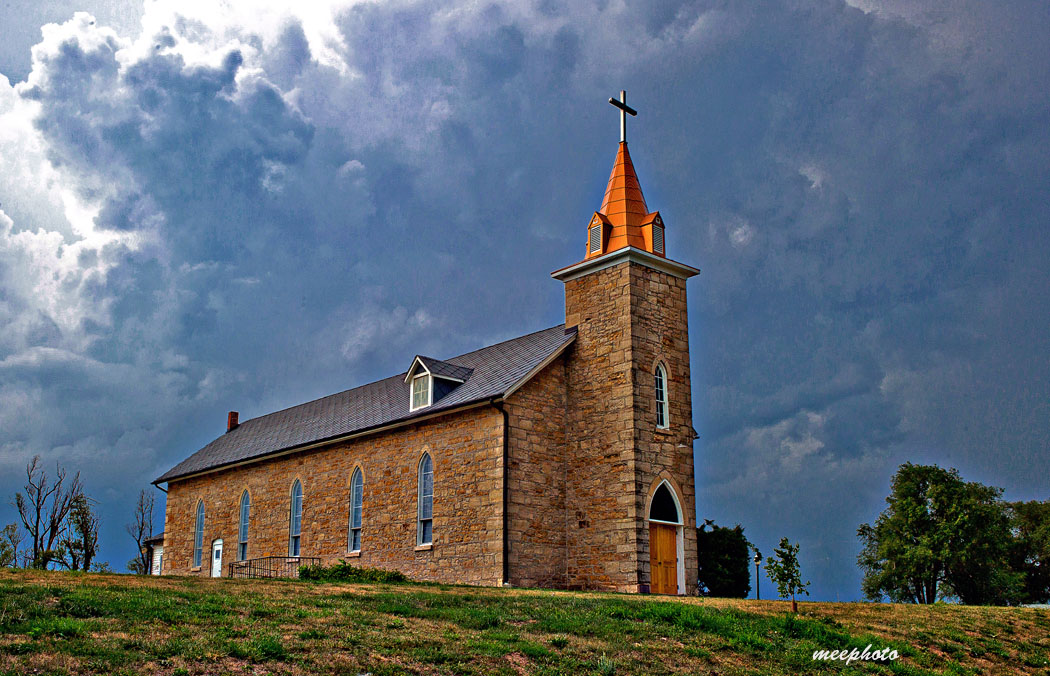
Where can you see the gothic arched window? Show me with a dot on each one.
(242, 530)
(425, 515)
(295, 519)
(198, 535)
(357, 485)
(664, 507)
(662, 412)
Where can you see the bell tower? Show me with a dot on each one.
(630, 498)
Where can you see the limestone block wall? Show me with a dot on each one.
(660, 332)
(601, 504)
(467, 451)
(536, 480)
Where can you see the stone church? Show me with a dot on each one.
(563, 458)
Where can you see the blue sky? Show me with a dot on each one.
(216, 206)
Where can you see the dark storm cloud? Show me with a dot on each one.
(281, 216)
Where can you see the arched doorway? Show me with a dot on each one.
(666, 564)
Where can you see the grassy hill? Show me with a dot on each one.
(70, 623)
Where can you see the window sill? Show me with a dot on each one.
(424, 548)
(664, 431)
(196, 569)
(352, 555)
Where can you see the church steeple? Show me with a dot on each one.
(628, 407)
(624, 219)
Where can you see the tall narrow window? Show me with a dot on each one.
(242, 531)
(357, 485)
(420, 391)
(295, 520)
(425, 527)
(661, 397)
(198, 535)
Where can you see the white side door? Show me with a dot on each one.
(216, 558)
(158, 559)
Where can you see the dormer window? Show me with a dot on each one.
(431, 380)
(420, 391)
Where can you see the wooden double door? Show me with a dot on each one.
(663, 558)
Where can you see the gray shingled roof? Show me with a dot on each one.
(492, 370)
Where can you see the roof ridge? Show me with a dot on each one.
(487, 347)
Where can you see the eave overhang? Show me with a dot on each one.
(627, 254)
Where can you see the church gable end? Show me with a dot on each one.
(536, 469)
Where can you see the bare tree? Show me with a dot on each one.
(79, 542)
(141, 529)
(43, 508)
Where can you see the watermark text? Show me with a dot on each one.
(854, 655)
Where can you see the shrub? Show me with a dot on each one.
(724, 561)
(344, 572)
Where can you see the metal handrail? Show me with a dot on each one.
(271, 566)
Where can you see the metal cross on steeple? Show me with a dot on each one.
(625, 110)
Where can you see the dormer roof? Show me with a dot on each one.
(438, 369)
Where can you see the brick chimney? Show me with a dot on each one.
(231, 421)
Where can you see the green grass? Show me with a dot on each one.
(61, 623)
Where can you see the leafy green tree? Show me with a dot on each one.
(939, 536)
(1030, 525)
(10, 539)
(723, 555)
(783, 570)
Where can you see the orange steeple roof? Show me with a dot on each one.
(624, 204)
(624, 216)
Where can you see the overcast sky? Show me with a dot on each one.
(211, 206)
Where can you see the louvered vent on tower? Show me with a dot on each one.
(658, 239)
(595, 238)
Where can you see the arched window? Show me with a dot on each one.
(198, 535)
(662, 414)
(664, 507)
(295, 519)
(425, 517)
(357, 485)
(242, 531)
